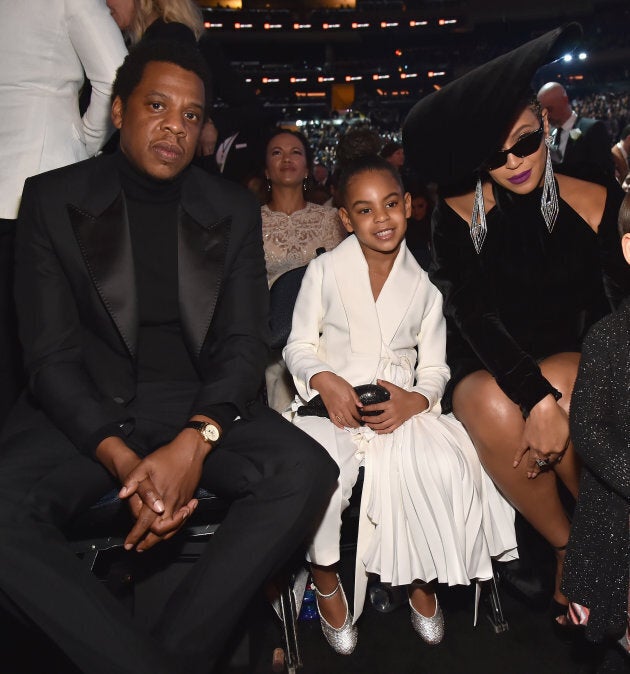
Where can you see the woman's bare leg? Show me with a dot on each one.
(495, 425)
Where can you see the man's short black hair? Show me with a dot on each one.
(180, 54)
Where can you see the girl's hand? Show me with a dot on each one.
(402, 405)
(339, 398)
(546, 436)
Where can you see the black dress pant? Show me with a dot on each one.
(278, 477)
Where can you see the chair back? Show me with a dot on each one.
(283, 293)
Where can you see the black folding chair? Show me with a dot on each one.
(283, 293)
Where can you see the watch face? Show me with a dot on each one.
(210, 433)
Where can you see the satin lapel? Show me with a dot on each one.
(353, 282)
(105, 244)
(398, 293)
(202, 246)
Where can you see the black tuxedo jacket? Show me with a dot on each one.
(76, 299)
(588, 157)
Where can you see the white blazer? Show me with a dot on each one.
(44, 49)
(337, 326)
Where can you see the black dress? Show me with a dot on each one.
(598, 557)
(529, 293)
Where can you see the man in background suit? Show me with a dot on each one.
(142, 301)
(581, 145)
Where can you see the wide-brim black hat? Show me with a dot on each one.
(448, 134)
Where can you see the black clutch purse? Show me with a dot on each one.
(368, 395)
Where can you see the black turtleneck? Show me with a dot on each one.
(152, 209)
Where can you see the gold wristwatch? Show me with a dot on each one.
(209, 432)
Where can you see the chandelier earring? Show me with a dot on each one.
(478, 225)
(549, 202)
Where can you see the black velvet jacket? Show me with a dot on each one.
(529, 293)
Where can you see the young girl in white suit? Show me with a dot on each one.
(367, 313)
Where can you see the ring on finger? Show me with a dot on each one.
(542, 463)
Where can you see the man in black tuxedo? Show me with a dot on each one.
(142, 303)
(581, 146)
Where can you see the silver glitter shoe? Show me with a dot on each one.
(343, 640)
(430, 630)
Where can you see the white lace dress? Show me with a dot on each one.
(291, 241)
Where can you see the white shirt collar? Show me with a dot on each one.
(570, 123)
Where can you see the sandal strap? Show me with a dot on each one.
(330, 594)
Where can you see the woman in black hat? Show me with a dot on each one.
(526, 262)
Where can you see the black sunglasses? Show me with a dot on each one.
(526, 145)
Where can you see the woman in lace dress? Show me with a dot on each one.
(293, 230)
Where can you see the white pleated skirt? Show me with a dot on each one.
(428, 509)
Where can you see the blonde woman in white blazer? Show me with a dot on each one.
(45, 47)
(367, 313)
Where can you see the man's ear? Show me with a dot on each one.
(625, 247)
(117, 112)
(345, 219)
